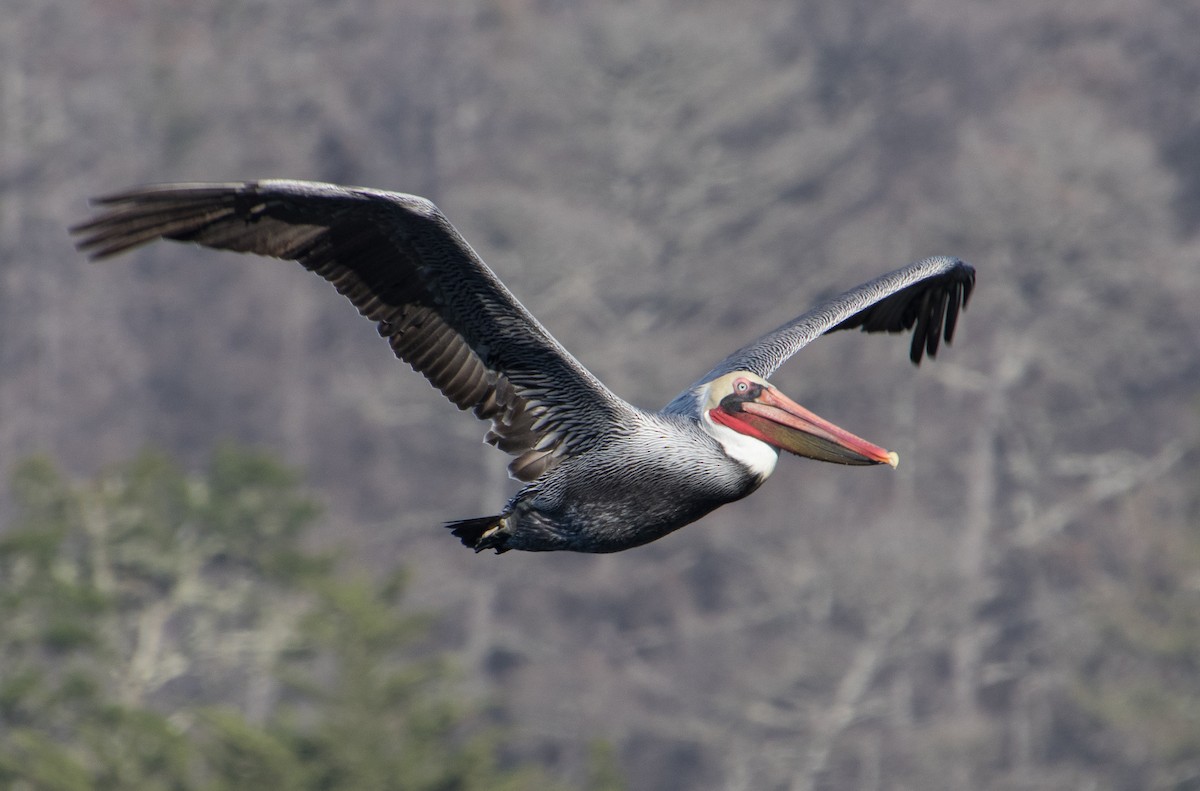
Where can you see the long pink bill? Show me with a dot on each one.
(780, 421)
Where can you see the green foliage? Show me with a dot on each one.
(603, 774)
(170, 632)
(380, 727)
(239, 755)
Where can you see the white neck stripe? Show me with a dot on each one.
(755, 454)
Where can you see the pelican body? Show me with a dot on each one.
(601, 475)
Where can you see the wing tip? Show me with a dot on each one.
(940, 319)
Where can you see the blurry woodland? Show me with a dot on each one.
(1017, 606)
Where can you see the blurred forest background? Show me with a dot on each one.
(1016, 607)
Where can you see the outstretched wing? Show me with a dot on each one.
(924, 297)
(403, 265)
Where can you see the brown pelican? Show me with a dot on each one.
(601, 475)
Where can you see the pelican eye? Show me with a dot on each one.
(742, 390)
(747, 388)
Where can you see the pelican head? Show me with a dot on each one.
(753, 421)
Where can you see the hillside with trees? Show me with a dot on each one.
(658, 181)
(167, 631)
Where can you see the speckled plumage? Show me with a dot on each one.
(635, 487)
(602, 475)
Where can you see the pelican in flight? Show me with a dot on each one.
(600, 474)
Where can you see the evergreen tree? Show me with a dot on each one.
(168, 631)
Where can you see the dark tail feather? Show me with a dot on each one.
(480, 533)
